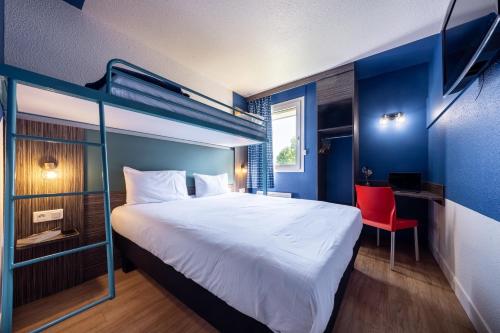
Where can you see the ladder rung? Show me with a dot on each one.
(50, 195)
(71, 314)
(55, 140)
(57, 255)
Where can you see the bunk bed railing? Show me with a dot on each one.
(171, 103)
(112, 66)
(40, 81)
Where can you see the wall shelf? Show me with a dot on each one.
(61, 237)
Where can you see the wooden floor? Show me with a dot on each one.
(414, 298)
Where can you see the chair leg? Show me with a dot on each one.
(393, 245)
(378, 237)
(417, 254)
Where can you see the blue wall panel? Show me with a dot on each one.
(301, 184)
(437, 103)
(392, 147)
(240, 102)
(339, 168)
(411, 54)
(464, 147)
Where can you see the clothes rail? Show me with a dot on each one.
(337, 137)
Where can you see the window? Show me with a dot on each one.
(288, 133)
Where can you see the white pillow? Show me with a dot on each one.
(154, 186)
(210, 185)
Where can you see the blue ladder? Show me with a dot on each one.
(10, 197)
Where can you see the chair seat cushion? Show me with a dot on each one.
(400, 224)
(405, 223)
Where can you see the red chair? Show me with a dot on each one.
(378, 209)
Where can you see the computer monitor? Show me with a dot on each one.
(406, 181)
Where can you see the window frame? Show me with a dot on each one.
(298, 104)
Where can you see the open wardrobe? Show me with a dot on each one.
(337, 136)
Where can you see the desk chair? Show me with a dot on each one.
(378, 209)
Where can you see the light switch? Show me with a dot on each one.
(48, 215)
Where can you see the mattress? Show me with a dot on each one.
(147, 90)
(277, 260)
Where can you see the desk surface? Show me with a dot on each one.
(419, 195)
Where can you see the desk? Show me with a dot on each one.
(421, 195)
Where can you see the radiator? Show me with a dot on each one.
(276, 194)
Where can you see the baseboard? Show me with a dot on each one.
(470, 309)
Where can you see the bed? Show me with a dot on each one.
(245, 262)
(147, 88)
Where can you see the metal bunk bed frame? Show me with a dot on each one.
(14, 76)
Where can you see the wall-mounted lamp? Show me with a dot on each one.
(399, 117)
(243, 169)
(49, 171)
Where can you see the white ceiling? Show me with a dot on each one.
(252, 45)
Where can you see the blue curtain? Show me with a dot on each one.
(255, 179)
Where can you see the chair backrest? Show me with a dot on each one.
(377, 204)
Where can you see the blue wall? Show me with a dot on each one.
(411, 54)
(393, 147)
(301, 184)
(240, 102)
(464, 147)
(339, 185)
(437, 103)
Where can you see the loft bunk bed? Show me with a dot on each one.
(152, 108)
(130, 99)
(144, 103)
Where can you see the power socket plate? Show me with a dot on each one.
(48, 215)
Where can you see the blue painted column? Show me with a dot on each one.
(8, 222)
(107, 209)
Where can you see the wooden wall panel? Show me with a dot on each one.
(94, 261)
(300, 82)
(335, 88)
(240, 157)
(43, 279)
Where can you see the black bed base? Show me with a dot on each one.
(214, 310)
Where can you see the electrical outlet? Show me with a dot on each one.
(48, 215)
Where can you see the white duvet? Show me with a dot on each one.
(276, 260)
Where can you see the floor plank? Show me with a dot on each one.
(414, 298)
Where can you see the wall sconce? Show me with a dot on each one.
(399, 117)
(49, 171)
(242, 170)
